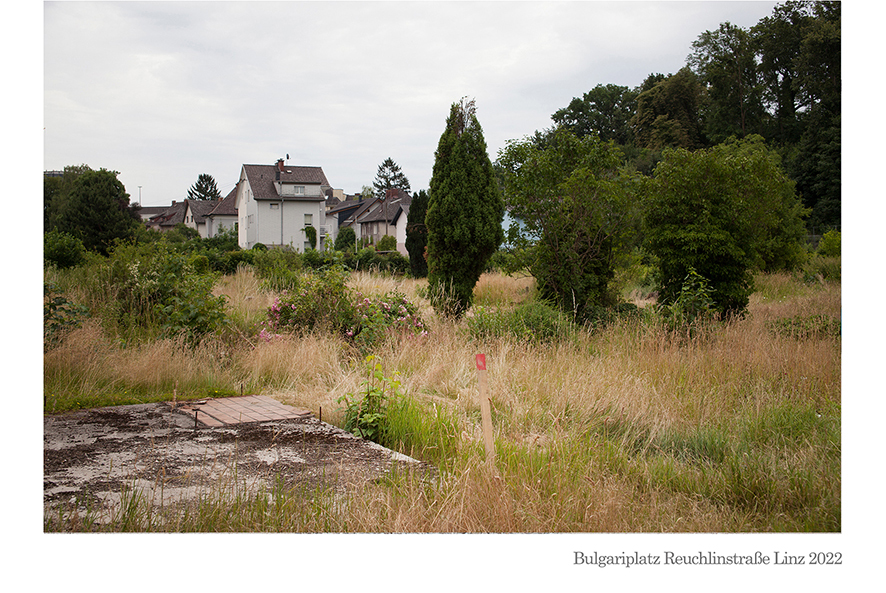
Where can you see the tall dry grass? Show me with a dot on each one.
(626, 428)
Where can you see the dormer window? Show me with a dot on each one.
(289, 189)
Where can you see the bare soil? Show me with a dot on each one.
(91, 456)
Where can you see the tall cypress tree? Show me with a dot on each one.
(465, 212)
(417, 234)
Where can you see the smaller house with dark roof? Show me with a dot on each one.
(223, 216)
(196, 212)
(276, 203)
(386, 217)
(346, 213)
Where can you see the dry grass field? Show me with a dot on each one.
(629, 427)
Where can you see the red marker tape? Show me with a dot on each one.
(481, 362)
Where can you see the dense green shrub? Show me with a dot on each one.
(346, 240)
(278, 268)
(63, 250)
(829, 246)
(59, 315)
(579, 211)
(312, 259)
(376, 318)
(532, 322)
(386, 243)
(156, 285)
(724, 212)
(312, 300)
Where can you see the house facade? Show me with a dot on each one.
(275, 203)
(386, 217)
(223, 216)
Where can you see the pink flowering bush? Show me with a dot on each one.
(379, 317)
(323, 301)
(319, 300)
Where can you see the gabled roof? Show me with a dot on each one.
(172, 216)
(349, 211)
(263, 177)
(148, 212)
(201, 208)
(378, 213)
(228, 206)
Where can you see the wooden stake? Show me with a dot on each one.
(485, 409)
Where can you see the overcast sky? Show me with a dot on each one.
(163, 92)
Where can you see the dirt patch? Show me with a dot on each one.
(91, 456)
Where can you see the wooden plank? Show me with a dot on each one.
(485, 408)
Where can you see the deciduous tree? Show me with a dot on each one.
(581, 207)
(98, 211)
(668, 114)
(723, 212)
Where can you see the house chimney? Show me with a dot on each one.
(280, 165)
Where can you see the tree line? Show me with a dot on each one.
(779, 80)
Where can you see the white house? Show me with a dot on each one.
(223, 216)
(196, 212)
(275, 203)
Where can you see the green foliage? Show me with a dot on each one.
(156, 286)
(725, 61)
(464, 214)
(311, 234)
(807, 327)
(668, 113)
(312, 259)
(63, 250)
(820, 269)
(59, 315)
(311, 301)
(389, 176)
(346, 239)
(387, 243)
(377, 318)
(605, 111)
(97, 211)
(533, 322)
(722, 212)
(417, 234)
(582, 206)
(829, 246)
(204, 189)
(278, 268)
(181, 233)
(695, 302)
(367, 417)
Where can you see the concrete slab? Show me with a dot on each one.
(173, 453)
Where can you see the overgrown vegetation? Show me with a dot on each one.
(622, 426)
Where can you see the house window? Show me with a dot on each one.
(299, 190)
(275, 206)
(309, 220)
